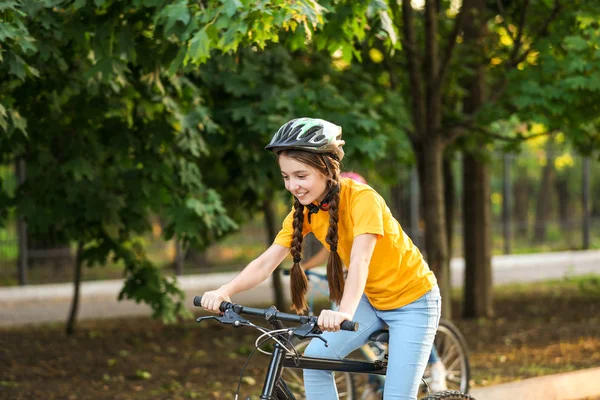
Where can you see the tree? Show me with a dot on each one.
(469, 64)
(96, 100)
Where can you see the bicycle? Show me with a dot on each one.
(449, 343)
(285, 355)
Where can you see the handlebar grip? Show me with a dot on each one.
(349, 326)
(224, 305)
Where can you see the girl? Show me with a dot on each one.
(388, 282)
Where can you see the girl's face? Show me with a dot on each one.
(303, 181)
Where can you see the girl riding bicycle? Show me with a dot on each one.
(388, 282)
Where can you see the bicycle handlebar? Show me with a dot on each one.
(271, 314)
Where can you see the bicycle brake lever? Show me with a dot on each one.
(200, 319)
(314, 335)
(228, 317)
(309, 330)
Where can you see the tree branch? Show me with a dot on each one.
(501, 87)
(445, 63)
(431, 53)
(463, 128)
(519, 38)
(412, 50)
(413, 61)
(503, 15)
(433, 96)
(540, 33)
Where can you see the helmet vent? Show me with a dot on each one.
(319, 138)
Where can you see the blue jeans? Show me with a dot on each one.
(412, 330)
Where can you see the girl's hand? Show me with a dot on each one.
(330, 321)
(213, 299)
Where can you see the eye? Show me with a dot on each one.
(301, 176)
(285, 178)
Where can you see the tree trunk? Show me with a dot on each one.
(521, 191)
(565, 204)
(72, 320)
(196, 258)
(449, 200)
(585, 203)
(543, 208)
(476, 180)
(23, 261)
(478, 293)
(506, 203)
(594, 193)
(271, 224)
(431, 178)
(399, 204)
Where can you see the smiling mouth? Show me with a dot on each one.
(301, 195)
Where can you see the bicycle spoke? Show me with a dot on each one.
(292, 374)
(452, 365)
(449, 354)
(341, 383)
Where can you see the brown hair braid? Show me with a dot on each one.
(298, 279)
(335, 269)
(330, 168)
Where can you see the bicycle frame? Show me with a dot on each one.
(279, 360)
(274, 382)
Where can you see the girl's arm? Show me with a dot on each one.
(256, 272)
(318, 259)
(358, 270)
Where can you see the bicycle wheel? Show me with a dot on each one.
(452, 349)
(295, 381)
(448, 395)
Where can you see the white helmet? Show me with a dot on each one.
(309, 134)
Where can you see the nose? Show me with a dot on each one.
(293, 185)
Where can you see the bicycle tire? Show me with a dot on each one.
(448, 395)
(453, 351)
(295, 382)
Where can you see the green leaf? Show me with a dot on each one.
(576, 43)
(231, 6)
(18, 122)
(17, 66)
(576, 82)
(9, 5)
(3, 120)
(141, 374)
(77, 4)
(173, 13)
(199, 47)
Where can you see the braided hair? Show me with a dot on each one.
(329, 166)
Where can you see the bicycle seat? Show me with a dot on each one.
(382, 335)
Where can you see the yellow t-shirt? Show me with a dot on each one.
(398, 275)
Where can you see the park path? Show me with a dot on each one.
(34, 304)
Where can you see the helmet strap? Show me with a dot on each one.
(313, 209)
